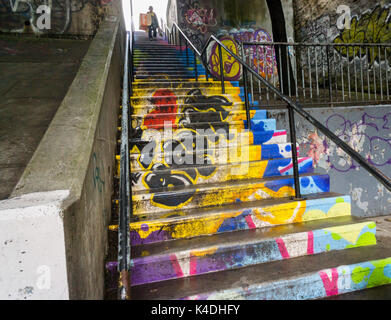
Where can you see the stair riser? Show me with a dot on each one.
(170, 109)
(183, 91)
(139, 114)
(146, 145)
(167, 70)
(210, 83)
(180, 176)
(211, 259)
(277, 155)
(220, 100)
(150, 231)
(255, 153)
(321, 284)
(171, 79)
(203, 124)
(147, 203)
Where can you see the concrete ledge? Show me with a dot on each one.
(77, 153)
(32, 252)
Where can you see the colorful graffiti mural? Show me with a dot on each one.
(261, 58)
(180, 264)
(231, 67)
(161, 161)
(368, 135)
(325, 283)
(200, 18)
(149, 231)
(371, 27)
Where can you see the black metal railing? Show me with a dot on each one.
(316, 73)
(293, 106)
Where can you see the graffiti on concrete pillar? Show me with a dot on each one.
(231, 67)
(200, 18)
(261, 58)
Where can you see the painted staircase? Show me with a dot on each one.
(215, 215)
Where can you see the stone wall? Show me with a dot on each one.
(67, 17)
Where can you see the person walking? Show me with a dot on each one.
(154, 23)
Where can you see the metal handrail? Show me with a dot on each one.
(124, 187)
(293, 107)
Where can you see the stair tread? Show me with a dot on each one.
(184, 214)
(222, 185)
(265, 273)
(377, 293)
(238, 237)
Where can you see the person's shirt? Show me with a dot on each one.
(154, 20)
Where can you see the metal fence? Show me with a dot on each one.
(320, 73)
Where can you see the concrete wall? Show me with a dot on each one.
(316, 21)
(76, 155)
(367, 130)
(67, 16)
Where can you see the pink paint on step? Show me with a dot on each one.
(331, 286)
(177, 268)
(282, 248)
(250, 222)
(310, 244)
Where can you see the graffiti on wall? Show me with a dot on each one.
(16, 14)
(197, 20)
(369, 136)
(200, 18)
(262, 58)
(231, 67)
(371, 27)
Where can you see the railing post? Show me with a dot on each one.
(246, 102)
(329, 75)
(295, 163)
(195, 66)
(206, 67)
(187, 54)
(221, 71)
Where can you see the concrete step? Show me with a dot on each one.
(167, 79)
(307, 277)
(146, 140)
(184, 258)
(194, 96)
(173, 84)
(166, 76)
(218, 194)
(190, 122)
(140, 71)
(382, 292)
(170, 108)
(161, 175)
(161, 114)
(197, 91)
(183, 224)
(140, 160)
